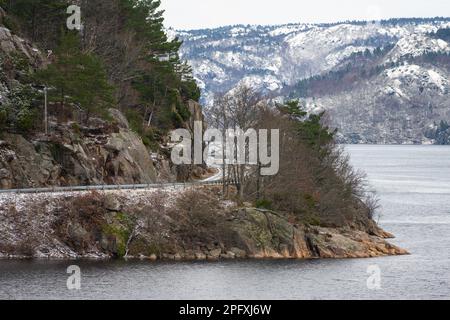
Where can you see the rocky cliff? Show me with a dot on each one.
(101, 153)
(11, 44)
(73, 152)
(170, 224)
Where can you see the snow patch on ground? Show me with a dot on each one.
(409, 74)
(336, 57)
(417, 45)
(31, 216)
(260, 83)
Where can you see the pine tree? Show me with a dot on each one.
(163, 79)
(42, 20)
(78, 77)
(310, 128)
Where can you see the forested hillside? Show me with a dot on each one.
(121, 57)
(115, 87)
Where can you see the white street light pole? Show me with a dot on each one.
(45, 112)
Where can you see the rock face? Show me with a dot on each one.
(150, 224)
(196, 111)
(2, 15)
(74, 153)
(14, 50)
(266, 234)
(98, 154)
(192, 172)
(11, 44)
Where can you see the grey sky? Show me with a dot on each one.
(195, 14)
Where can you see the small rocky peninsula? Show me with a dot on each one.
(170, 224)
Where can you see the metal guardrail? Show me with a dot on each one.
(109, 187)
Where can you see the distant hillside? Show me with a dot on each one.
(384, 82)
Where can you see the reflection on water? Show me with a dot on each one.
(413, 183)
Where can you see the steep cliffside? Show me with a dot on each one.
(102, 153)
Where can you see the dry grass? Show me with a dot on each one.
(79, 220)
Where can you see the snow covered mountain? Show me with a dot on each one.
(404, 104)
(385, 82)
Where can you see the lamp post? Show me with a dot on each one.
(46, 111)
(45, 89)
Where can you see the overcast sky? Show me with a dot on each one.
(196, 14)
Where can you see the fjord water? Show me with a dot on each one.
(413, 183)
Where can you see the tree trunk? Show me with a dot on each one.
(241, 181)
(33, 24)
(258, 182)
(62, 104)
(224, 174)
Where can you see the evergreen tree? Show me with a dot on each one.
(41, 20)
(310, 128)
(153, 83)
(293, 109)
(78, 77)
(145, 18)
(163, 80)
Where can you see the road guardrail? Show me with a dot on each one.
(109, 187)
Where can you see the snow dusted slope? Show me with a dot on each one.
(402, 93)
(398, 106)
(416, 45)
(275, 56)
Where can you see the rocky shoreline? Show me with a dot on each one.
(166, 225)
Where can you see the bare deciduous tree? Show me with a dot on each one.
(238, 111)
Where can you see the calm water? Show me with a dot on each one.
(413, 183)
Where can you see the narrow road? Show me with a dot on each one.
(214, 180)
